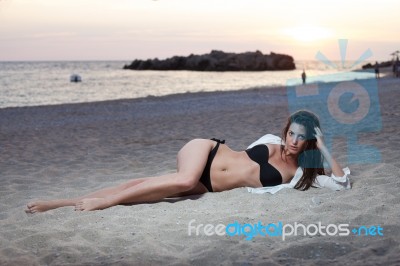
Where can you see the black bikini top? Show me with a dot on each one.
(269, 175)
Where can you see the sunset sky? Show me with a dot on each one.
(130, 29)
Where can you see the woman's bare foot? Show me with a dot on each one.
(42, 206)
(92, 204)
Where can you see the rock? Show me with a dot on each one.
(381, 64)
(75, 78)
(218, 61)
(316, 201)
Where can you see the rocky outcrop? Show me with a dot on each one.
(218, 61)
(381, 64)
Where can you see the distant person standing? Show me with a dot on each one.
(303, 77)
(397, 67)
(376, 70)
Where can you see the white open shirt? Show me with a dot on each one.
(333, 182)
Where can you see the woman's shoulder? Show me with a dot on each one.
(267, 139)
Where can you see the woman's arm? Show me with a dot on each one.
(336, 168)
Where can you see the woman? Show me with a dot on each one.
(211, 166)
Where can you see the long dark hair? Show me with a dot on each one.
(310, 159)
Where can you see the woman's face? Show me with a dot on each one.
(295, 139)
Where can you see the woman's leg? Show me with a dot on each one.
(193, 153)
(192, 159)
(42, 206)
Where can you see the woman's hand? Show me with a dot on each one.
(336, 168)
(318, 135)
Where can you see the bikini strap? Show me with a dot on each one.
(218, 140)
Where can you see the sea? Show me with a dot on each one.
(48, 83)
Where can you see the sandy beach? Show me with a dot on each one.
(68, 150)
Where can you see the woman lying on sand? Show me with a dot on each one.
(211, 166)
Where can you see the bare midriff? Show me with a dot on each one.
(231, 169)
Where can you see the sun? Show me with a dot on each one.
(307, 33)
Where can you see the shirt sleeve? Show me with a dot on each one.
(333, 182)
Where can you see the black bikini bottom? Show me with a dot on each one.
(205, 178)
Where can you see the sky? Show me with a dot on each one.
(142, 29)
